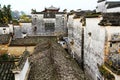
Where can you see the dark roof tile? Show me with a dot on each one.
(100, 1)
(5, 70)
(23, 59)
(46, 12)
(110, 19)
(113, 4)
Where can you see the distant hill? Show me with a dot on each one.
(16, 14)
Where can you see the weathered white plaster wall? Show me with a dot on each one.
(17, 31)
(113, 10)
(77, 35)
(59, 28)
(26, 27)
(101, 7)
(93, 47)
(23, 73)
(70, 27)
(4, 30)
(17, 76)
(60, 24)
(24, 70)
(112, 30)
(10, 28)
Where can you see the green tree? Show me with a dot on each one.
(24, 18)
(5, 15)
(4, 57)
(1, 16)
(33, 11)
(9, 13)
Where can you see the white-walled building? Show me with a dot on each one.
(101, 6)
(86, 34)
(22, 67)
(49, 22)
(6, 29)
(105, 6)
(26, 28)
(16, 69)
(22, 30)
(98, 45)
(94, 40)
(75, 34)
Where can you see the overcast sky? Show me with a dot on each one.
(39, 5)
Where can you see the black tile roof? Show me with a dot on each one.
(3, 25)
(112, 4)
(77, 14)
(23, 59)
(61, 13)
(100, 1)
(110, 19)
(6, 67)
(25, 21)
(30, 40)
(52, 8)
(46, 12)
(5, 70)
(92, 15)
(38, 13)
(87, 14)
